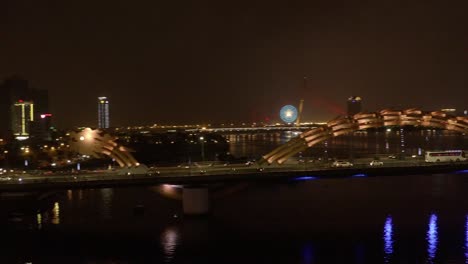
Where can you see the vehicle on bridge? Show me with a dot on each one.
(376, 163)
(5, 178)
(445, 156)
(341, 163)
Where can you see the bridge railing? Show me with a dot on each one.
(233, 169)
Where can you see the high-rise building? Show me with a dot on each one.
(16, 94)
(354, 105)
(41, 128)
(22, 116)
(103, 112)
(11, 90)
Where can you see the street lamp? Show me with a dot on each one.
(202, 140)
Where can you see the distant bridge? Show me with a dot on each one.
(254, 129)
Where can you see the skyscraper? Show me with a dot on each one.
(354, 105)
(22, 116)
(16, 95)
(12, 90)
(103, 112)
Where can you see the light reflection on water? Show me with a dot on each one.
(308, 254)
(388, 239)
(39, 220)
(248, 145)
(317, 247)
(69, 195)
(56, 214)
(432, 238)
(48, 217)
(169, 240)
(466, 240)
(106, 202)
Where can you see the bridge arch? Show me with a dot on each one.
(348, 124)
(96, 143)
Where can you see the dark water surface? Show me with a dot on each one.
(399, 219)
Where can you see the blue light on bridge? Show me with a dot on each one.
(359, 175)
(461, 171)
(305, 178)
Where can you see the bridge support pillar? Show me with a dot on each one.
(195, 200)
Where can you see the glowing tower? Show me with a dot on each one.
(22, 116)
(103, 112)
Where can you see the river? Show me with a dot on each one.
(387, 219)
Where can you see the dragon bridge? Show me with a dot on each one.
(348, 124)
(96, 143)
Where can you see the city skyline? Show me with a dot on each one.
(207, 63)
(351, 106)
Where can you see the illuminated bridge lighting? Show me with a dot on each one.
(306, 178)
(359, 175)
(461, 172)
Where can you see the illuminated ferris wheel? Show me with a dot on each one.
(288, 113)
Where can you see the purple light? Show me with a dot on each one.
(466, 240)
(388, 239)
(432, 238)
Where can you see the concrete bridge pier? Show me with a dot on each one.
(195, 200)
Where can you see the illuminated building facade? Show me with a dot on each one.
(11, 90)
(103, 112)
(22, 116)
(16, 94)
(354, 105)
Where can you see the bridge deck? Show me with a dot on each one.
(24, 182)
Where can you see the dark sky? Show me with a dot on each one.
(222, 61)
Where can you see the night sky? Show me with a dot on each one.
(228, 61)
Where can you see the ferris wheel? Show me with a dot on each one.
(288, 113)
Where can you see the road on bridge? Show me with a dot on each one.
(208, 172)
